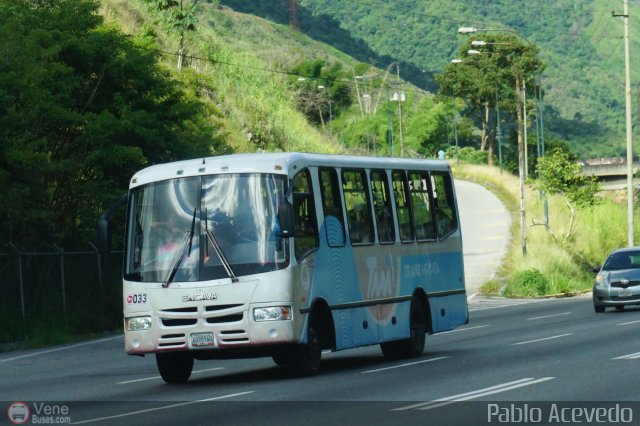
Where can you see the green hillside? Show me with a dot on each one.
(580, 42)
(90, 92)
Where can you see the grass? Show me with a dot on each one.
(556, 262)
(240, 61)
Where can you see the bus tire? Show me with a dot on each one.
(280, 360)
(304, 360)
(414, 345)
(174, 367)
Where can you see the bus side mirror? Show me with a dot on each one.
(104, 235)
(285, 217)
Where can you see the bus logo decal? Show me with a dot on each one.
(199, 297)
(381, 281)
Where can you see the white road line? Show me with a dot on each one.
(628, 323)
(404, 365)
(166, 407)
(475, 394)
(60, 349)
(549, 316)
(541, 340)
(464, 329)
(630, 356)
(158, 377)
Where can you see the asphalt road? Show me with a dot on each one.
(512, 351)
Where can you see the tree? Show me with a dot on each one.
(321, 88)
(82, 107)
(560, 174)
(503, 66)
(179, 18)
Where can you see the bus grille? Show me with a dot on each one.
(178, 322)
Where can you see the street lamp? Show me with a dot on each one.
(399, 96)
(471, 30)
(455, 119)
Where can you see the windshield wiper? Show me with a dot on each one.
(216, 247)
(184, 248)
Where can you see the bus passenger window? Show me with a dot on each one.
(305, 226)
(332, 207)
(356, 201)
(419, 183)
(443, 200)
(403, 208)
(382, 206)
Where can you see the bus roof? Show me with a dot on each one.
(277, 162)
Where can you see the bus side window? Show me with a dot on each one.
(305, 226)
(382, 206)
(403, 208)
(420, 184)
(332, 207)
(356, 201)
(446, 219)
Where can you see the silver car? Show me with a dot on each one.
(618, 280)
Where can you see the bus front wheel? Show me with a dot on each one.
(305, 359)
(414, 345)
(174, 367)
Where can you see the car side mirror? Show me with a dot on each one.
(596, 269)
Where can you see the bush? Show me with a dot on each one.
(468, 154)
(529, 282)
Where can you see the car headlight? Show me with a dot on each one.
(601, 281)
(137, 323)
(272, 313)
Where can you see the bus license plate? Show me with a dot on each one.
(202, 339)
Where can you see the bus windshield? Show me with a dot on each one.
(234, 218)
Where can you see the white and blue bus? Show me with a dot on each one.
(289, 254)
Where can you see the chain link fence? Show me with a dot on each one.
(70, 292)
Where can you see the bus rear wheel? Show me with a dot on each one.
(175, 367)
(414, 345)
(304, 360)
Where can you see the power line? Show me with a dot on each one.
(273, 71)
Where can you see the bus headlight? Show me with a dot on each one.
(272, 313)
(137, 323)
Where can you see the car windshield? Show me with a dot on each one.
(235, 212)
(622, 260)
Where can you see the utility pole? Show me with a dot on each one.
(524, 130)
(293, 15)
(523, 223)
(400, 96)
(627, 92)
